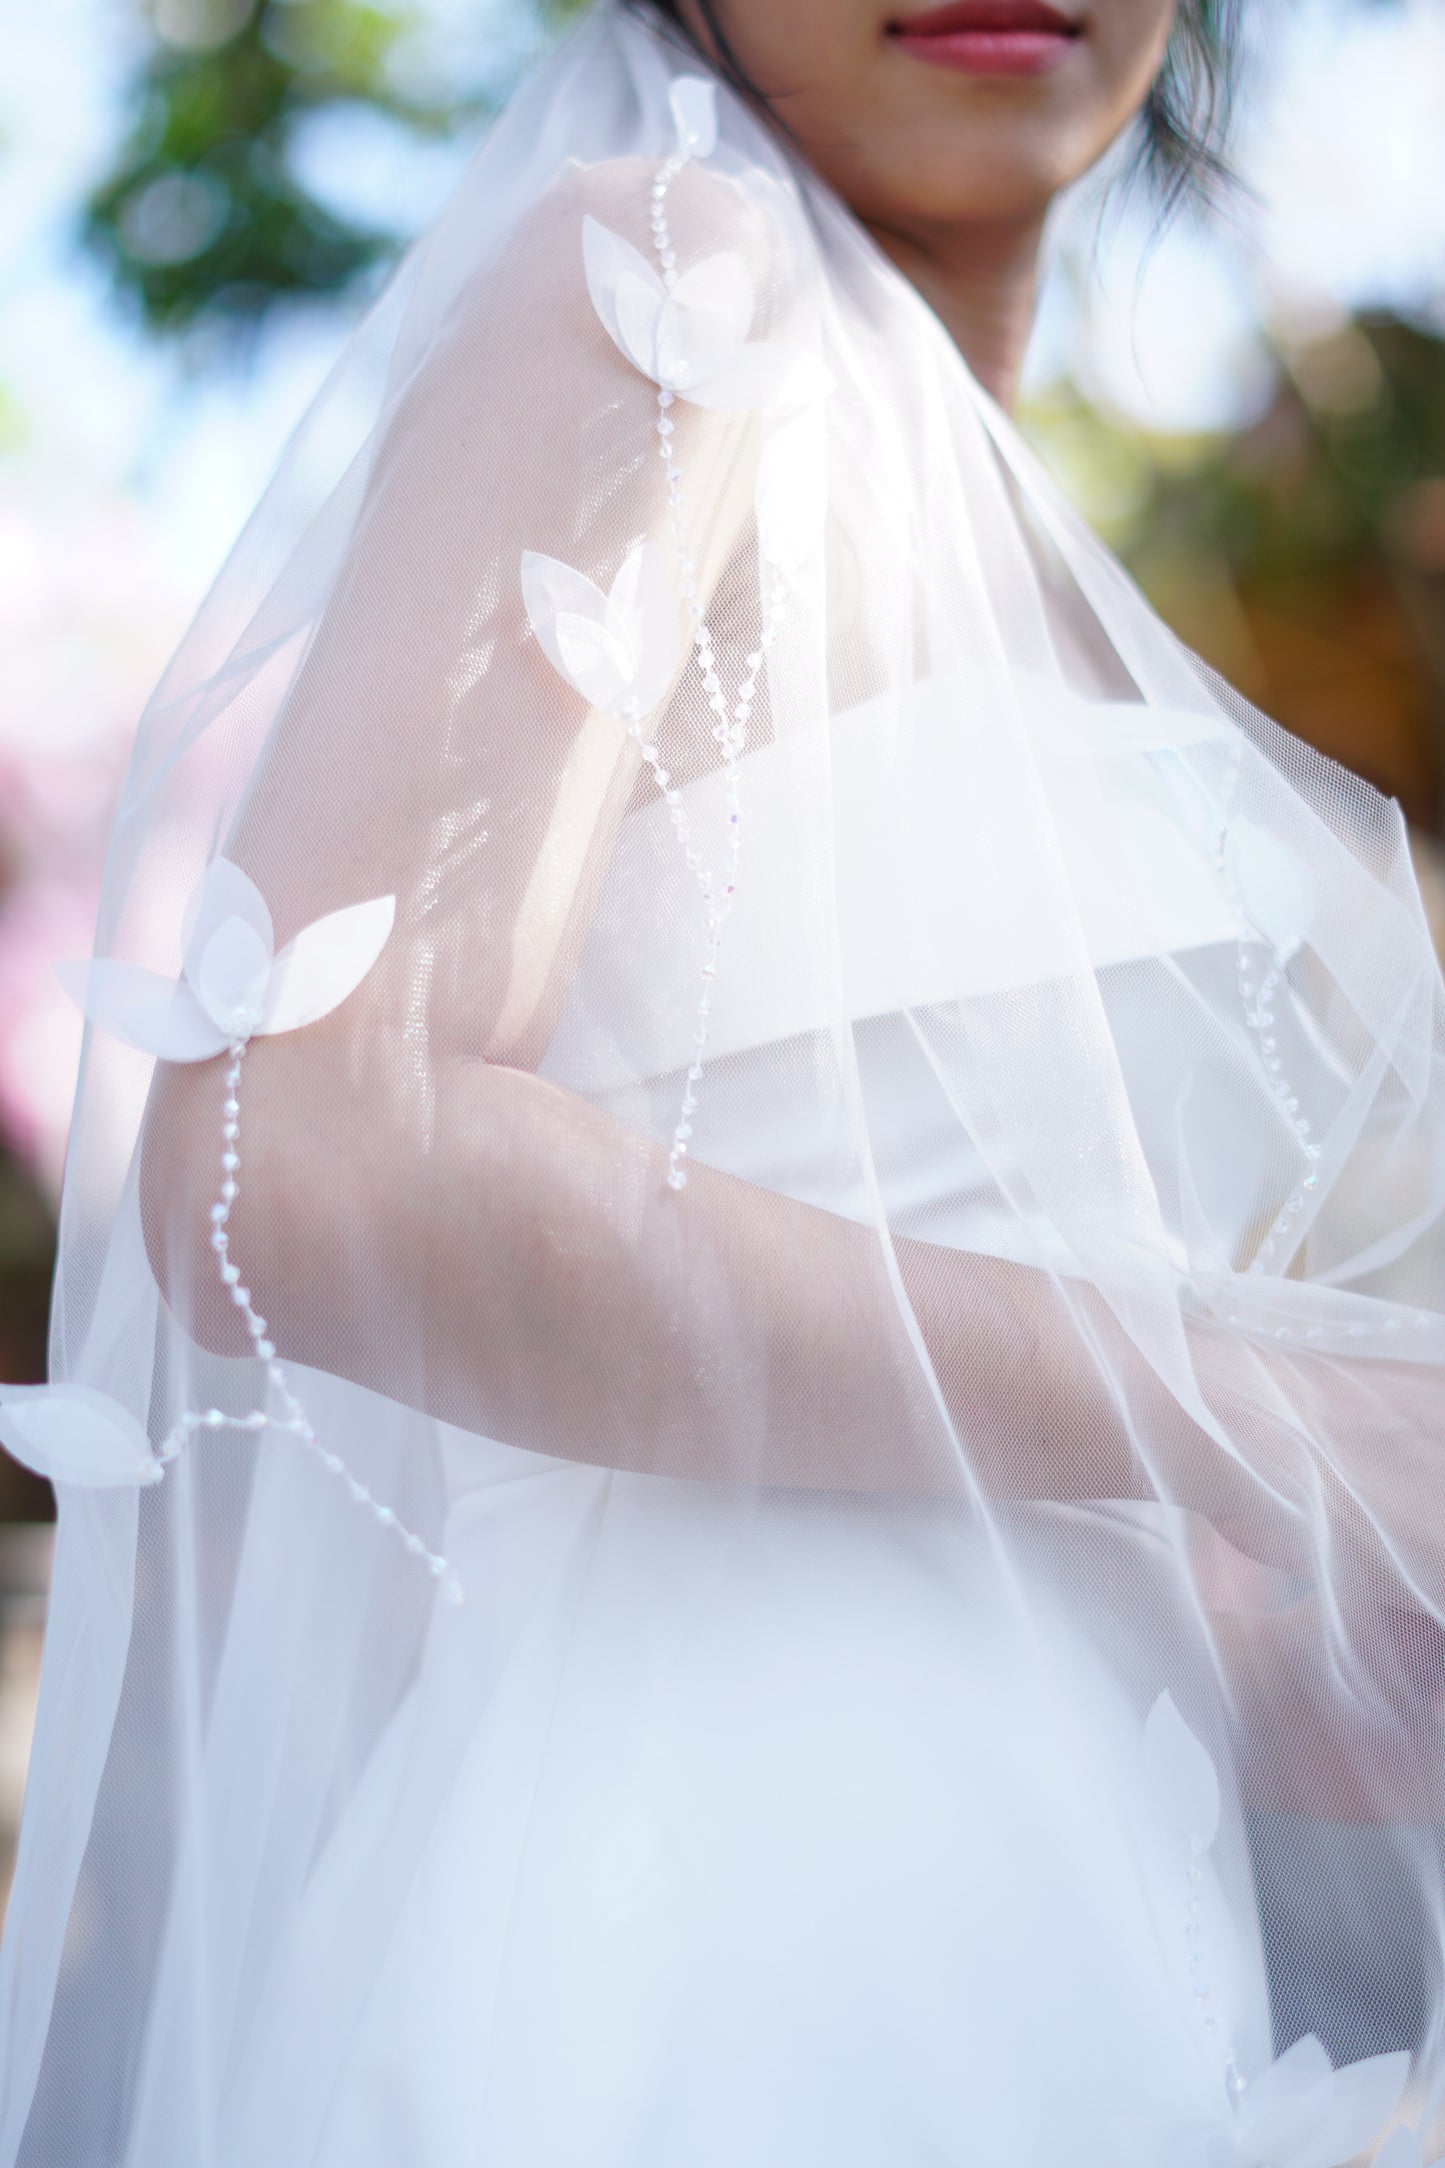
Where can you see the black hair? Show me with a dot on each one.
(1184, 123)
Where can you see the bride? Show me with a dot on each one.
(746, 1375)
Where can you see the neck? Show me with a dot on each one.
(980, 282)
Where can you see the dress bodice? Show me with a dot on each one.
(1115, 820)
(1126, 864)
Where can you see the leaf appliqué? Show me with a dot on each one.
(72, 1434)
(325, 964)
(620, 650)
(1402, 2150)
(693, 341)
(233, 985)
(1300, 2112)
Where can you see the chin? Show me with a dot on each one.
(1007, 180)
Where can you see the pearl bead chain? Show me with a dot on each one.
(1258, 992)
(1200, 1992)
(293, 1418)
(730, 726)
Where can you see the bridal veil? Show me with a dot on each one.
(655, 648)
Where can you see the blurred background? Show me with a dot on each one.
(197, 198)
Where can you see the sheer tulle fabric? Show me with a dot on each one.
(707, 1039)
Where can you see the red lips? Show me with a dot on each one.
(988, 37)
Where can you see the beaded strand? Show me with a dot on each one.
(730, 726)
(294, 1419)
(1201, 1993)
(1258, 992)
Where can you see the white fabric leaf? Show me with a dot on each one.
(1304, 2065)
(230, 976)
(610, 264)
(233, 986)
(223, 892)
(142, 1009)
(71, 1434)
(1401, 2150)
(764, 373)
(579, 631)
(638, 312)
(551, 590)
(1283, 2108)
(1183, 1771)
(613, 649)
(693, 99)
(598, 658)
(325, 963)
(1363, 2097)
(792, 491)
(692, 340)
(703, 322)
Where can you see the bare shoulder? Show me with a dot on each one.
(706, 212)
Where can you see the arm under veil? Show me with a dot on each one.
(575, 1305)
(568, 1300)
(725, 948)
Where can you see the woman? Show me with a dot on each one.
(746, 1376)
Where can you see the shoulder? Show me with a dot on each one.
(529, 309)
(706, 213)
(524, 367)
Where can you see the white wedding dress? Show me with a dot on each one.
(985, 1809)
(756, 1851)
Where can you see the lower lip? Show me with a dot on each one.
(989, 52)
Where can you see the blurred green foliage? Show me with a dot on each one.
(1303, 555)
(203, 213)
(1331, 470)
